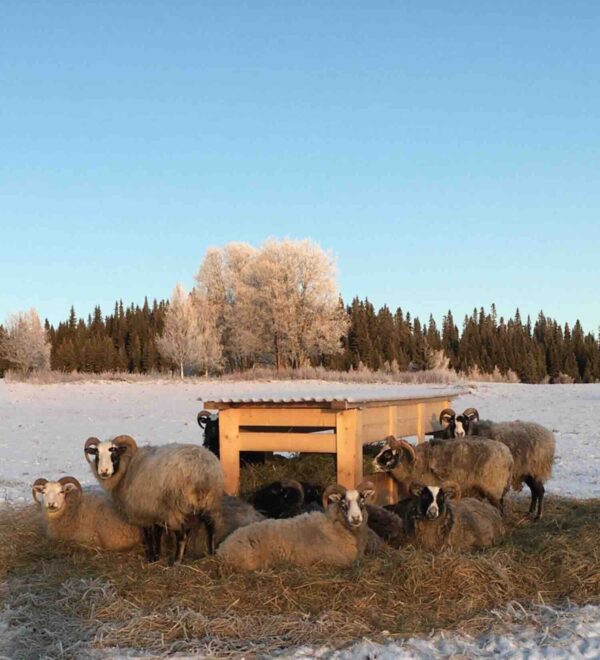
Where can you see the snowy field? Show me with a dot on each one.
(43, 428)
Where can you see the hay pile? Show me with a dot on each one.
(66, 601)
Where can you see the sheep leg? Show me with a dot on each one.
(148, 533)
(530, 481)
(209, 523)
(157, 531)
(181, 539)
(540, 497)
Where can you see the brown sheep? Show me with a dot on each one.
(70, 514)
(481, 467)
(444, 521)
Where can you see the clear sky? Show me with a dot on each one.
(447, 153)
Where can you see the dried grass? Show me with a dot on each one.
(71, 602)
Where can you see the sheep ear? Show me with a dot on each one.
(333, 494)
(69, 487)
(367, 490)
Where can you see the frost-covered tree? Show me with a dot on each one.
(24, 343)
(278, 304)
(189, 339)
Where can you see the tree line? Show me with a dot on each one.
(126, 340)
(278, 306)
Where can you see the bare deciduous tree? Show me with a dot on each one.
(24, 343)
(278, 304)
(189, 339)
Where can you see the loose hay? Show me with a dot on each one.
(70, 602)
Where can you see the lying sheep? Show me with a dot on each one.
(165, 487)
(336, 537)
(235, 513)
(444, 521)
(481, 467)
(69, 514)
(287, 498)
(387, 525)
(532, 447)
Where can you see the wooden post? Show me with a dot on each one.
(392, 412)
(349, 448)
(229, 433)
(420, 431)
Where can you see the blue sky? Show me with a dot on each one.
(447, 154)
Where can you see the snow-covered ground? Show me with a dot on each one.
(43, 427)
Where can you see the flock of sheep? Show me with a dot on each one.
(171, 499)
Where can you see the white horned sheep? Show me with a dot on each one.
(158, 488)
(445, 521)
(70, 514)
(481, 467)
(532, 447)
(336, 537)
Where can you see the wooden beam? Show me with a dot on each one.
(229, 449)
(307, 442)
(287, 417)
(349, 448)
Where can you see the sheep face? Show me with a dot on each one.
(104, 457)
(52, 495)
(350, 504)
(387, 459)
(432, 501)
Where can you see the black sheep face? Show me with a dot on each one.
(431, 502)
(278, 500)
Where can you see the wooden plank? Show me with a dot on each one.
(374, 433)
(307, 442)
(349, 448)
(392, 415)
(229, 449)
(287, 417)
(420, 432)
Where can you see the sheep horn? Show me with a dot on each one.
(334, 489)
(451, 490)
(201, 417)
(292, 483)
(471, 414)
(400, 443)
(38, 486)
(126, 441)
(447, 413)
(70, 480)
(90, 442)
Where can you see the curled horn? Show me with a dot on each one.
(334, 489)
(402, 445)
(471, 414)
(90, 442)
(126, 441)
(37, 488)
(367, 489)
(70, 480)
(451, 490)
(446, 413)
(202, 418)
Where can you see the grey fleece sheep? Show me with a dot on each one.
(532, 447)
(481, 467)
(163, 487)
(444, 521)
(235, 513)
(69, 514)
(336, 538)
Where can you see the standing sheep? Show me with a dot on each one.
(481, 467)
(69, 514)
(532, 447)
(336, 538)
(444, 521)
(165, 487)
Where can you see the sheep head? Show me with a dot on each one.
(105, 456)
(432, 501)
(349, 505)
(52, 495)
(394, 453)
